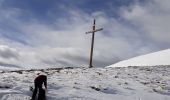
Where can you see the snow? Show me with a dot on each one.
(126, 83)
(8, 68)
(152, 59)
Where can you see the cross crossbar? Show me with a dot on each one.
(94, 30)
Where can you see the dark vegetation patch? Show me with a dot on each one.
(42, 70)
(2, 71)
(5, 86)
(99, 73)
(106, 90)
(95, 88)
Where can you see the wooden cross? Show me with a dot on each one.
(92, 43)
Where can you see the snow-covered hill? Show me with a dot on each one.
(152, 59)
(126, 83)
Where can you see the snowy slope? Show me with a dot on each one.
(152, 59)
(129, 83)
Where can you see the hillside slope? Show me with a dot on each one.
(152, 59)
(129, 83)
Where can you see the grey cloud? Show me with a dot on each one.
(7, 52)
(9, 65)
(65, 57)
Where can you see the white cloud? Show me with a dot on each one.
(152, 18)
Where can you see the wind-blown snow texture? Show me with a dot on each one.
(152, 59)
(130, 83)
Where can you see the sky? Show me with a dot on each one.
(51, 33)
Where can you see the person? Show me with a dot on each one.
(38, 82)
(41, 95)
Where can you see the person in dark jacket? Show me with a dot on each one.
(38, 82)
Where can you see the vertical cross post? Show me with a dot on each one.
(92, 42)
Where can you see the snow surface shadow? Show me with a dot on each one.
(70, 98)
(15, 97)
(5, 86)
(128, 88)
(54, 87)
(23, 90)
(17, 93)
(107, 90)
(110, 91)
(163, 92)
